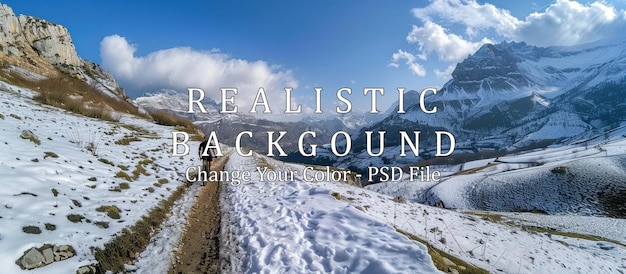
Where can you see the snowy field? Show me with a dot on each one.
(300, 227)
(75, 170)
(284, 224)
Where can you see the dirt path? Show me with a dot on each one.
(198, 250)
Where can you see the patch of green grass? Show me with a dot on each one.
(75, 218)
(140, 168)
(1, 116)
(55, 192)
(93, 179)
(145, 162)
(31, 229)
(124, 186)
(106, 161)
(136, 129)
(50, 227)
(569, 234)
(123, 167)
(559, 170)
(438, 256)
(116, 253)
(150, 189)
(127, 140)
(102, 224)
(123, 175)
(50, 154)
(112, 211)
(168, 119)
(163, 181)
(496, 218)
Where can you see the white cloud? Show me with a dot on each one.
(570, 23)
(562, 23)
(470, 14)
(449, 47)
(180, 68)
(410, 59)
(446, 73)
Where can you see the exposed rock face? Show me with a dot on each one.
(87, 269)
(46, 48)
(498, 63)
(45, 255)
(32, 38)
(32, 259)
(51, 41)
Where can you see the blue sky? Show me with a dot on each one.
(150, 45)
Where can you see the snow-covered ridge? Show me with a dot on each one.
(513, 96)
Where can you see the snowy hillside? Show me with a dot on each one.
(336, 227)
(79, 182)
(512, 96)
(579, 179)
(581, 186)
(297, 226)
(279, 224)
(178, 103)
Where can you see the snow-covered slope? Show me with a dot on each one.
(80, 165)
(585, 178)
(290, 225)
(293, 225)
(512, 96)
(178, 102)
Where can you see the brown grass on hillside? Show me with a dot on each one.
(165, 118)
(72, 94)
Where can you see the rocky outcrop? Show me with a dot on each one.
(491, 66)
(51, 41)
(46, 48)
(37, 41)
(45, 255)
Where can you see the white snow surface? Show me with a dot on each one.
(598, 159)
(30, 178)
(286, 226)
(294, 226)
(158, 255)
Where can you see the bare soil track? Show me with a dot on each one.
(198, 249)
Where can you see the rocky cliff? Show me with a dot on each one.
(47, 49)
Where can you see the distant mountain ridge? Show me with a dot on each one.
(513, 96)
(228, 125)
(505, 97)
